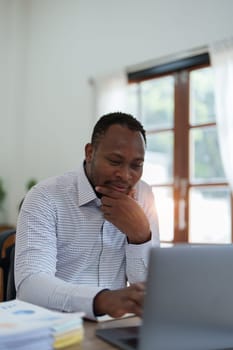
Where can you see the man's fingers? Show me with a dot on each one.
(141, 286)
(132, 193)
(138, 294)
(109, 192)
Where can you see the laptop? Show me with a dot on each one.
(188, 303)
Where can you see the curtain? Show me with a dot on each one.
(221, 57)
(110, 94)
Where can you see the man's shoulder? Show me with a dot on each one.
(56, 189)
(58, 182)
(143, 185)
(143, 189)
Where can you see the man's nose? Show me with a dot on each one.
(125, 173)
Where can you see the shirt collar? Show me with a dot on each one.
(86, 191)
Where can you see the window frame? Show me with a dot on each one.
(181, 69)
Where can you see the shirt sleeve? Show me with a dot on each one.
(137, 255)
(35, 260)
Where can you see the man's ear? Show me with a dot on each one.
(88, 152)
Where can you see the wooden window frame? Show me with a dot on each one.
(181, 70)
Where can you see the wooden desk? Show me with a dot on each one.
(91, 342)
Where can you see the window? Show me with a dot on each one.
(183, 163)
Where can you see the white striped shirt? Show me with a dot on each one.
(66, 252)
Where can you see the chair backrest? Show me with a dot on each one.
(7, 285)
(10, 287)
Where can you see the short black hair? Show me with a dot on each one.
(113, 118)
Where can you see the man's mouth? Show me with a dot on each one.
(119, 187)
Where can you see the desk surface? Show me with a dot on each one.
(91, 342)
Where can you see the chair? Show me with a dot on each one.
(7, 246)
(10, 288)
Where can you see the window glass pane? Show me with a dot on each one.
(165, 207)
(210, 218)
(157, 98)
(132, 100)
(158, 165)
(201, 96)
(205, 160)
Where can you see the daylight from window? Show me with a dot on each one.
(209, 198)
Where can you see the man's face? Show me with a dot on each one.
(117, 160)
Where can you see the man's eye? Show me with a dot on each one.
(137, 166)
(114, 162)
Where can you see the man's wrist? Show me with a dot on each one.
(99, 303)
(144, 240)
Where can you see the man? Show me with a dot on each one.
(82, 236)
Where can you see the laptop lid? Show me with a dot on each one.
(189, 300)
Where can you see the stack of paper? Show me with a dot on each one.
(67, 334)
(26, 326)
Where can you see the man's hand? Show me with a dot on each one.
(125, 213)
(116, 303)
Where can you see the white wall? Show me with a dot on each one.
(53, 48)
(13, 71)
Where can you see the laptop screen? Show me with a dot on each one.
(189, 299)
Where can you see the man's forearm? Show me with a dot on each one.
(51, 292)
